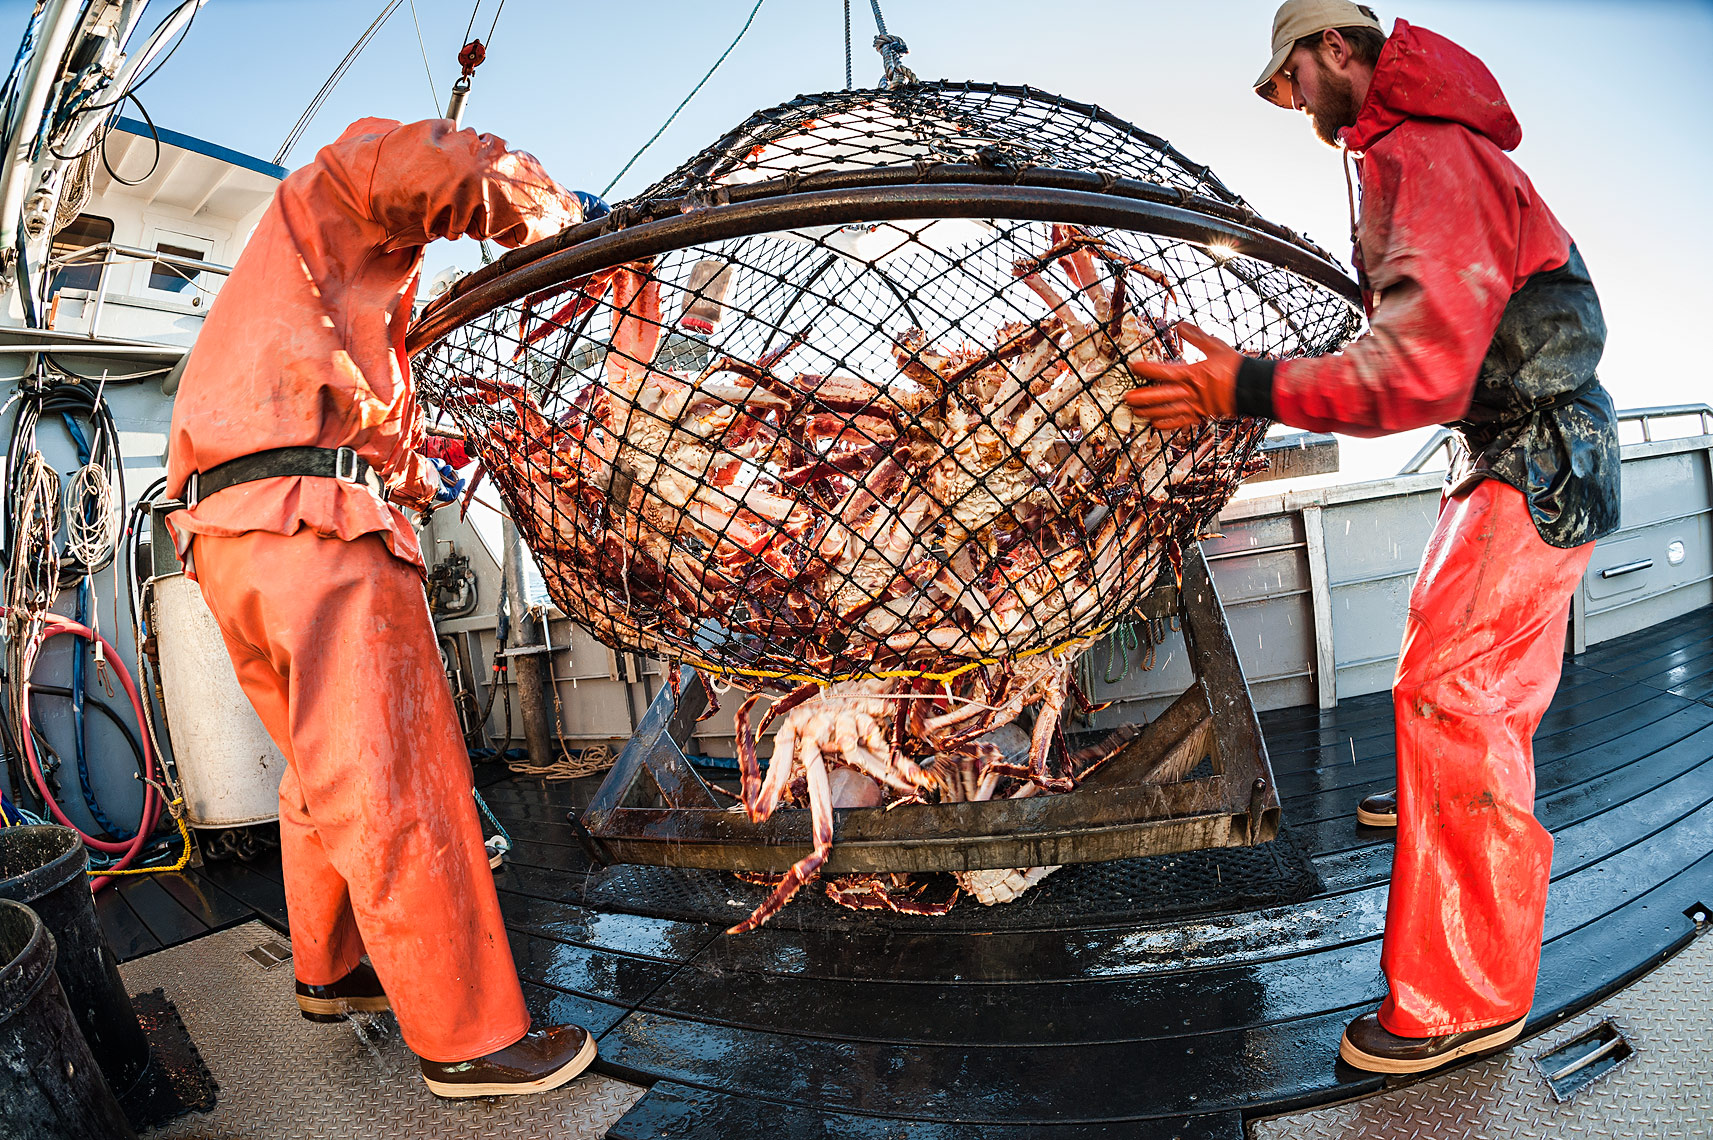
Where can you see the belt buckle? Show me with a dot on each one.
(346, 465)
(193, 490)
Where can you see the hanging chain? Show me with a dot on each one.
(892, 52)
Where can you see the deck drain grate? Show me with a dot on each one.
(269, 954)
(1583, 1060)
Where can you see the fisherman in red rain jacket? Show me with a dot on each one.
(1481, 317)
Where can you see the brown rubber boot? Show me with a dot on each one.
(1371, 1047)
(357, 992)
(543, 1059)
(1379, 810)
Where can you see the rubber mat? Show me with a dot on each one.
(1084, 895)
(177, 1079)
(284, 1078)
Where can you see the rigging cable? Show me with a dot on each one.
(651, 140)
(429, 71)
(315, 104)
(849, 80)
(148, 52)
(471, 26)
(151, 47)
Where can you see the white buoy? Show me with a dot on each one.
(228, 767)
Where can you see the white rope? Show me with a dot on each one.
(32, 577)
(91, 523)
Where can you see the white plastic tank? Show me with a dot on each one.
(228, 767)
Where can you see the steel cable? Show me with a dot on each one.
(686, 100)
(309, 112)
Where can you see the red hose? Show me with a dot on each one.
(56, 625)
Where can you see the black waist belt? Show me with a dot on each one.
(341, 463)
(1502, 411)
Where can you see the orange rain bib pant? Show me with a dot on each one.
(317, 582)
(379, 839)
(1483, 647)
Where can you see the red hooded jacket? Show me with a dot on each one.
(1450, 228)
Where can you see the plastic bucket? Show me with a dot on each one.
(45, 868)
(50, 1086)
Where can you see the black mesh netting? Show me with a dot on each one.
(878, 446)
(927, 124)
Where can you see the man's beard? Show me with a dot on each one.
(1335, 109)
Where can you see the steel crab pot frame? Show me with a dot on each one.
(653, 808)
(944, 476)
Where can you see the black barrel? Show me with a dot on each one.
(46, 868)
(50, 1086)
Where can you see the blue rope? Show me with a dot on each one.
(79, 722)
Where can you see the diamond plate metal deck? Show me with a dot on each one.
(284, 1078)
(1664, 1091)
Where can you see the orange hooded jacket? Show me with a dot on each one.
(304, 346)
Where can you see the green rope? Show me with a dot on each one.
(492, 818)
(687, 98)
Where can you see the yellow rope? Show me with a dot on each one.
(183, 858)
(1083, 639)
(569, 766)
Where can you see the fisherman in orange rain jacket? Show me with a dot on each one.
(1482, 316)
(296, 440)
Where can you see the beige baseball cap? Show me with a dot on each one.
(1298, 18)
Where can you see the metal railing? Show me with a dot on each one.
(1646, 416)
(1447, 439)
(104, 254)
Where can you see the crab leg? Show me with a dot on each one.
(1046, 725)
(784, 744)
(637, 321)
(589, 289)
(821, 821)
(1030, 272)
(749, 768)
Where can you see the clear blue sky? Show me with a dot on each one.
(1616, 102)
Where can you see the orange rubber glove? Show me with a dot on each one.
(1183, 395)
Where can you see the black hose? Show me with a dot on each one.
(82, 401)
(111, 833)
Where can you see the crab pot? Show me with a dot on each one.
(843, 394)
(842, 398)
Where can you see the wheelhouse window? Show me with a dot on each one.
(170, 278)
(84, 231)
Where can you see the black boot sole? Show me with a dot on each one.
(1495, 1038)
